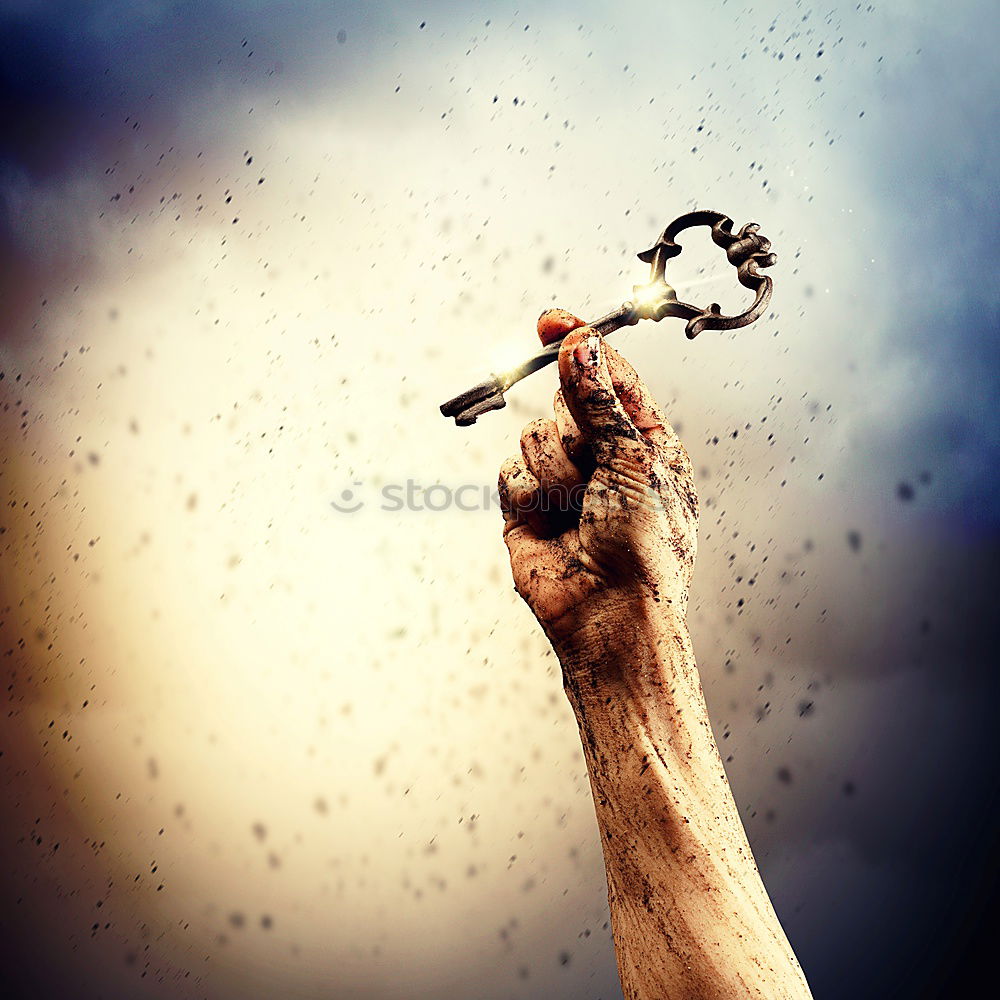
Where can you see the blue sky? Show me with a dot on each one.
(246, 251)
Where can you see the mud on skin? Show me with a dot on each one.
(600, 518)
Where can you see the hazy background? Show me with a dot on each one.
(253, 746)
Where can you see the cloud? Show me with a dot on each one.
(90, 88)
(260, 346)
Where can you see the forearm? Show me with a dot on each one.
(690, 915)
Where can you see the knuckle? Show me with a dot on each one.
(511, 467)
(510, 470)
(504, 494)
(534, 433)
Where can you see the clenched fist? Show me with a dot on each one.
(600, 507)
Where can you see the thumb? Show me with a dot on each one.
(590, 393)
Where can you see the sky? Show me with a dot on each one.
(258, 742)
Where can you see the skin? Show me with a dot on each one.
(601, 519)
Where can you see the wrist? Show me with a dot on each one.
(622, 645)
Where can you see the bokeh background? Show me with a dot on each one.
(256, 745)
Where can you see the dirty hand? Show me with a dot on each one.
(600, 508)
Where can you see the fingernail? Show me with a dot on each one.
(588, 352)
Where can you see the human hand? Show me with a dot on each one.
(600, 508)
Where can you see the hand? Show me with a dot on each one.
(600, 508)
(601, 522)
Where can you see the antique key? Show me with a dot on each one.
(747, 251)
